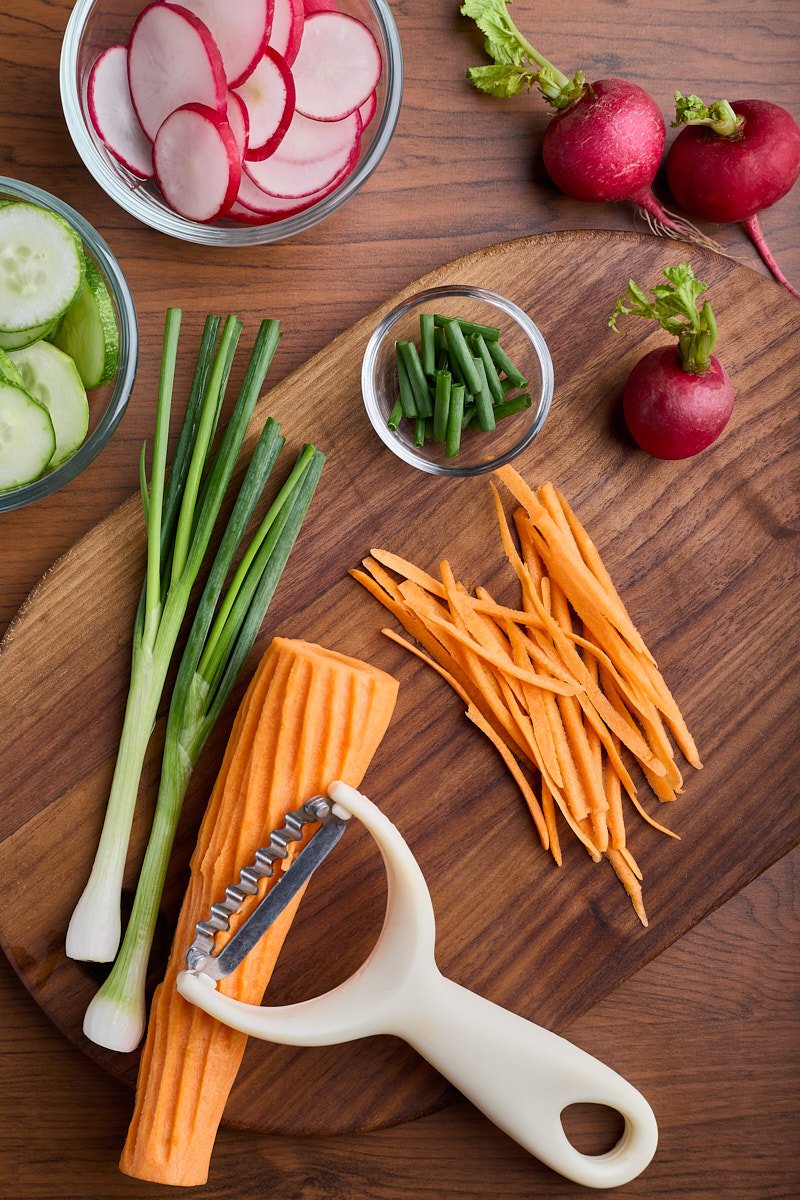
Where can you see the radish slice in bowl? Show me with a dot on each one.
(172, 60)
(197, 163)
(237, 118)
(268, 95)
(241, 29)
(111, 113)
(288, 19)
(337, 68)
(310, 157)
(367, 110)
(275, 208)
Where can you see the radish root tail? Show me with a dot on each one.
(669, 224)
(754, 230)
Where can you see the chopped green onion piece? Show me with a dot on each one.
(492, 378)
(407, 402)
(489, 333)
(441, 405)
(416, 377)
(419, 432)
(483, 401)
(514, 405)
(469, 416)
(426, 328)
(395, 416)
(453, 439)
(504, 363)
(460, 356)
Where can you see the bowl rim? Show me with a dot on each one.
(163, 219)
(370, 398)
(49, 483)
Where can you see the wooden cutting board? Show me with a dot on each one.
(704, 553)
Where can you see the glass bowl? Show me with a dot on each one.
(107, 403)
(93, 26)
(519, 337)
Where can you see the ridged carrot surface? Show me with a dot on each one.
(309, 716)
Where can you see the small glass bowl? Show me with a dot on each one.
(108, 403)
(519, 337)
(95, 25)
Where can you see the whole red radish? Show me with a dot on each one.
(605, 140)
(733, 160)
(678, 399)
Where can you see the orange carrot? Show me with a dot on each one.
(312, 716)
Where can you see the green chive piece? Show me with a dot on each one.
(454, 417)
(416, 377)
(441, 406)
(514, 405)
(483, 400)
(489, 333)
(419, 431)
(461, 357)
(407, 402)
(395, 416)
(504, 363)
(492, 378)
(426, 328)
(469, 416)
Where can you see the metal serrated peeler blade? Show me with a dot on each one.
(200, 957)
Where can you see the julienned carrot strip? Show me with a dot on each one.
(573, 789)
(632, 863)
(570, 570)
(549, 811)
(660, 784)
(616, 820)
(401, 567)
(437, 667)
(311, 716)
(535, 705)
(629, 882)
(508, 758)
(529, 555)
(382, 577)
(595, 746)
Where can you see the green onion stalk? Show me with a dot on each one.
(180, 515)
(219, 642)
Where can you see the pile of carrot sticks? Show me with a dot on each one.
(560, 685)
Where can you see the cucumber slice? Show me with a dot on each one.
(41, 266)
(52, 378)
(26, 337)
(8, 372)
(88, 332)
(27, 438)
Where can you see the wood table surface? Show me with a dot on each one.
(710, 1029)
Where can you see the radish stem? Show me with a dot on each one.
(753, 228)
(674, 306)
(690, 110)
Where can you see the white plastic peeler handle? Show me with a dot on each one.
(520, 1075)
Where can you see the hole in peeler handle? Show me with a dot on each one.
(592, 1128)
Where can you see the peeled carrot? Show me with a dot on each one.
(310, 716)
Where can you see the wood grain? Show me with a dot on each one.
(710, 1031)
(462, 172)
(700, 556)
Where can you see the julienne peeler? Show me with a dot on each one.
(520, 1075)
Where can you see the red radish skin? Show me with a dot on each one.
(310, 157)
(367, 110)
(197, 163)
(111, 112)
(269, 97)
(671, 413)
(172, 61)
(337, 68)
(268, 209)
(241, 30)
(733, 178)
(237, 118)
(288, 19)
(314, 6)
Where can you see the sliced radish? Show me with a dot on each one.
(268, 95)
(237, 118)
(197, 163)
(288, 17)
(111, 113)
(310, 157)
(275, 208)
(241, 29)
(312, 6)
(172, 61)
(367, 110)
(337, 67)
(244, 216)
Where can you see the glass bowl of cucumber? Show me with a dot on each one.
(457, 380)
(68, 343)
(219, 188)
